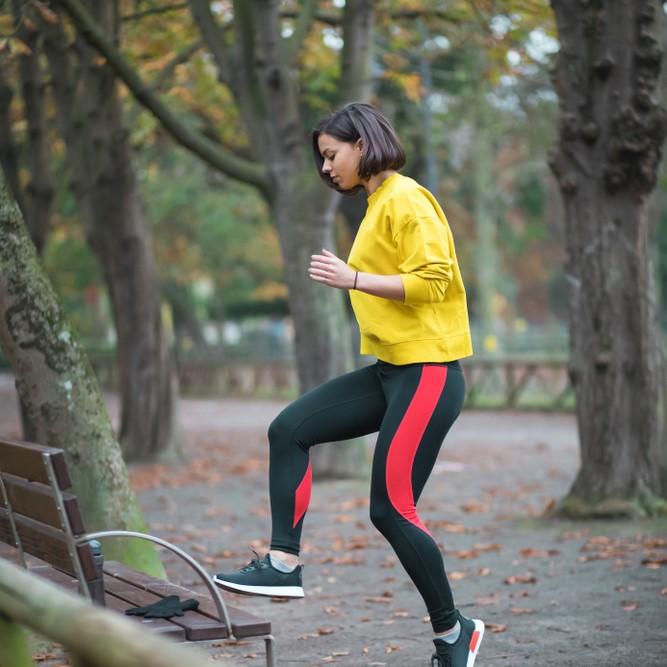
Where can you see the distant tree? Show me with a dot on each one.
(59, 390)
(104, 182)
(611, 131)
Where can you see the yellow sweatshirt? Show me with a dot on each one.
(405, 232)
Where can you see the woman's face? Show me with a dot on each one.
(341, 161)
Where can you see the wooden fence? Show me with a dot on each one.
(491, 382)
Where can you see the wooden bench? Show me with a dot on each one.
(41, 518)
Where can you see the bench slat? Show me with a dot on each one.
(26, 460)
(36, 501)
(197, 626)
(46, 543)
(243, 623)
(162, 626)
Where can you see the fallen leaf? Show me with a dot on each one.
(496, 627)
(522, 610)
(475, 508)
(487, 600)
(655, 543)
(520, 594)
(574, 534)
(448, 526)
(391, 648)
(520, 579)
(325, 631)
(629, 606)
(549, 507)
(538, 553)
(341, 560)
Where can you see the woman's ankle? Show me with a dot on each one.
(291, 560)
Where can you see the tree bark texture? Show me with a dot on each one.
(57, 386)
(104, 182)
(611, 132)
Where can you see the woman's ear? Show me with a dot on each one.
(359, 144)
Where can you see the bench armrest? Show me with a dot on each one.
(213, 589)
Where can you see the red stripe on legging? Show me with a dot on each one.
(302, 497)
(403, 447)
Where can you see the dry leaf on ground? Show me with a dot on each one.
(520, 579)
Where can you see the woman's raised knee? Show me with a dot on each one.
(380, 513)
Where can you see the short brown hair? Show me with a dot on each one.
(382, 148)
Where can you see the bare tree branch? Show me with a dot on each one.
(214, 38)
(304, 21)
(243, 170)
(153, 11)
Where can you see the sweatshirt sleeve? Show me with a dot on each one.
(425, 263)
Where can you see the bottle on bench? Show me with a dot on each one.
(96, 586)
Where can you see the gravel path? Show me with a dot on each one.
(552, 592)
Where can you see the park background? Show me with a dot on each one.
(175, 234)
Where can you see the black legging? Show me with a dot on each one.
(413, 408)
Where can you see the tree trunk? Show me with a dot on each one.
(57, 385)
(39, 189)
(36, 198)
(304, 210)
(485, 207)
(610, 138)
(123, 245)
(14, 649)
(104, 181)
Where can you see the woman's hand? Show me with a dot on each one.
(329, 270)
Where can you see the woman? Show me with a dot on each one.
(409, 300)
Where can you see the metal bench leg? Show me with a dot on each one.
(270, 655)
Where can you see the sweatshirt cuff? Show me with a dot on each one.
(415, 289)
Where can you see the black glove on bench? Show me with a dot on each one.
(165, 608)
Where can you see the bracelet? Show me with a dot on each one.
(356, 273)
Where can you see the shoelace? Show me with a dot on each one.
(255, 564)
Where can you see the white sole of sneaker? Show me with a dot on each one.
(475, 641)
(266, 591)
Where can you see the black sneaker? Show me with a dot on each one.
(463, 651)
(259, 577)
